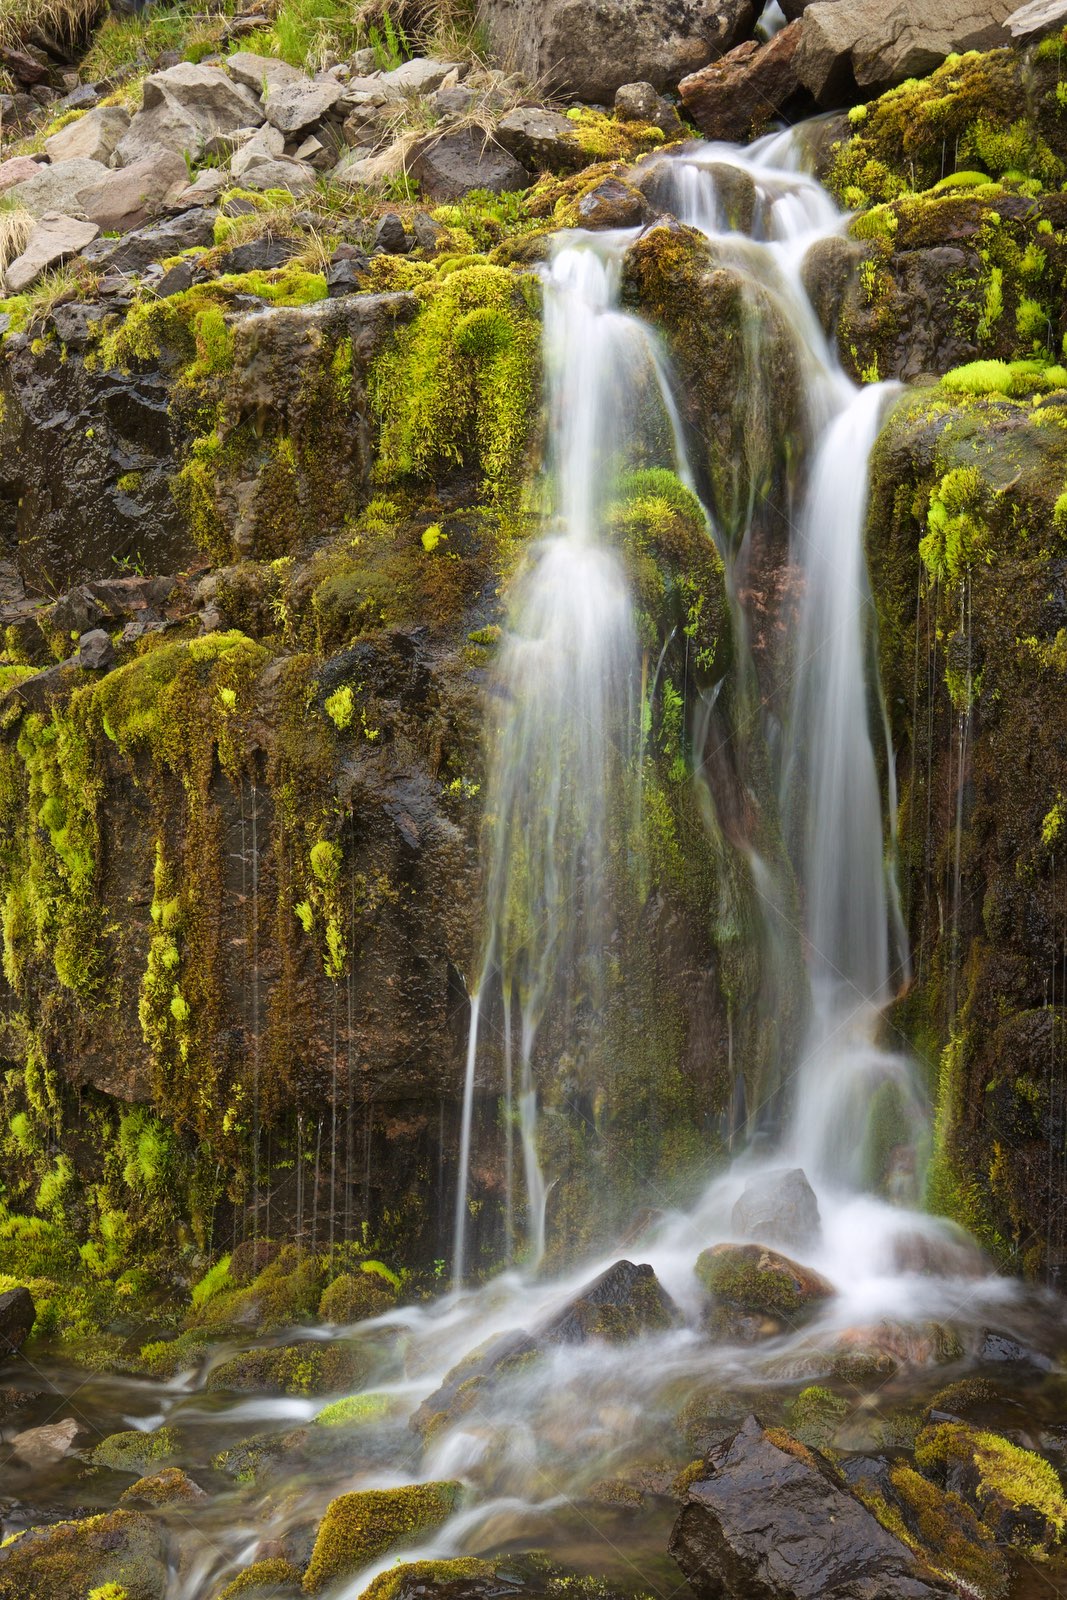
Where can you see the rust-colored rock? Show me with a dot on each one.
(737, 96)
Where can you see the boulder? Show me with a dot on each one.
(96, 653)
(749, 1278)
(17, 170)
(620, 1304)
(55, 239)
(170, 1487)
(93, 137)
(183, 107)
(639, 102)
(391, 236)
(421, 75)
(767, 1519)
(779, 1208)
(58, 187)
(372, 168)
(119, 1553)
(588, 51)
(449, 167)
(268, 172)
(293, 107)
(735, 98)
(541, 139)
(135, 251)
(205, 190)
(866, 46)
(1040, 16)
(43, 1447)
(613, 204)
(262, 73)
(125, 198)
(17, 1316)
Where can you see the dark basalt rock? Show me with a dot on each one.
(17, 1316)
(769, 1520)
(622, 1303)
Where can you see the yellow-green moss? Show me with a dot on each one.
(1005, 1478)
(359, 1527)
(465, 1569)
(264, 1580)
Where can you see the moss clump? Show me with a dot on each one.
(354, 1296)
(753, 1279)
(131, 1451)
(359, 1527)
(1014, 378)
(1017, 1494)
(965, 1395)
(815, 1414)
(958, 535)
(169, 1487)
(354, 1410)
(275, 1579)
(416, 1576)
(459, 388)
(121, 1550)
(974, 106)
(298, 1369)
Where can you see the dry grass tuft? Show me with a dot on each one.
(16, 225)
(62, 23)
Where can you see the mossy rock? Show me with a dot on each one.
(359, 1527)
(938, 1526)
(70, 1559)
(355, 1297)
(275, 1579)
(285, 1292)
(169, 1487)
(815, 1415)
(315, 1367)
(357, 1410)
(1016, 1493)
(464, 1578)
(133, 1451)
(751, 1278)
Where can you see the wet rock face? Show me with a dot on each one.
(590, 51)
(779, 1208)
(623, 1302)
(17, 1316)
(750, 1278)
(767, 1520)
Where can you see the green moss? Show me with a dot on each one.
(958, 536)
(317, 1367)
(274, 1579)
(359, 1527)
(355, 1410)
(430, 1574)
(1008, 1485)
(459, 389)
(214, 1281)
(756, 1280)
(352, 1297)
(137, 1452)
(815, 1414)
(120, 1550)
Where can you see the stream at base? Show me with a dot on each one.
(574, 1452)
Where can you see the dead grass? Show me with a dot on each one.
(63, 23)
(16, 225)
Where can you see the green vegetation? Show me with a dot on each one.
(359, 1527)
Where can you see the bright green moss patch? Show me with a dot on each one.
(1013, 378)
(463, 1569)
(275, 1579)
(814, 1415)
(1007, 1484)
(355, 1410)
(359, 1527)
(136, 1452)
(753, 1279)
(459, 389)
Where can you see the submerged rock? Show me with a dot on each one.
(749, 1278)
(779, 1208)
(44, 1446)
(768, 1520)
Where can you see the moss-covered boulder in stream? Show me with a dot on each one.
(69, 1559)
(749, 1277)
(359, 1527)
(314, 1367)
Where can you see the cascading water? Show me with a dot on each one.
(564, 739)
(531, 1453)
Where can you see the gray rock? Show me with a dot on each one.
(390, 236)
(779, 1208)
(17, 1317)
(588, 51)
(93, 137)
(95, 651)
(58, 187)
(372, 168)
(452, 102)
(867, 46)
(292, 108)
(452, 166)
(763, 1523)
(422, 75)
(267, 143)
(639, 102)
(76, 321)
(77, 612)
(43, 1447)
(260, 73)
(205, 190)
(613, 204)
(134, 252)
(347, 277)
(541, 139)
(125, 198)
(427, 232)
(267, 172)
(56, 238)
(1040, 16)
(258, 255)
(183, 107)
(19, 169)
